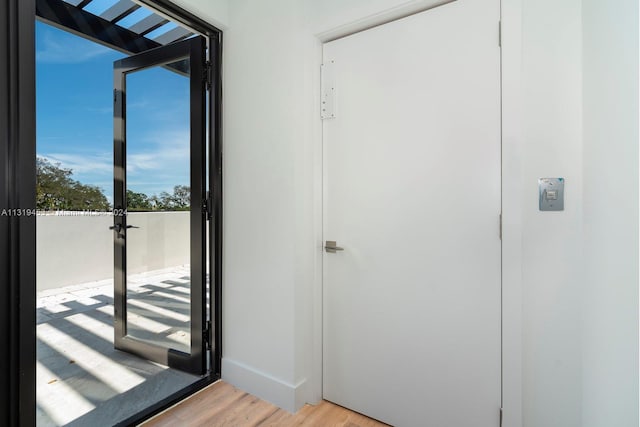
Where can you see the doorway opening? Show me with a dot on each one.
(127, 231)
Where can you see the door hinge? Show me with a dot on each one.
(206, 206)
(500, 417)
(328, 89)
(207, 77)
(500, 227)
(207, 335)
(499, 33)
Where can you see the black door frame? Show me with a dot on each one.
(17, 192)
(17, 207)
(195, 361)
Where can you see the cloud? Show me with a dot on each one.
(94, 164)
(169, 152)
(140, 105)
(161, 163)
(66, 49)
(92, 169)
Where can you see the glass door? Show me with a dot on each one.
(159, 209)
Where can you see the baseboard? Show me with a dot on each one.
(290, 397)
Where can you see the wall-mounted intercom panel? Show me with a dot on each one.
(551, 194)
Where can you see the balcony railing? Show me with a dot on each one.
(72, 249)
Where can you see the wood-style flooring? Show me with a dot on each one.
(224, 405)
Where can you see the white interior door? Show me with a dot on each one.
(412, 193)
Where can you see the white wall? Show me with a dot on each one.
(72, 250)
(271, 149)
(161, 240)
(271, 159)
(610, 289)
(552, 275)
(79, 249)
(266, 270)
(215, 12)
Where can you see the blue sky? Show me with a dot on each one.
(74, 84)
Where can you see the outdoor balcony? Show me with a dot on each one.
(81, 378)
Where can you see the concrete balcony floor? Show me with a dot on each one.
(81, 379)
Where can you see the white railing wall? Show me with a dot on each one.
(73, 249)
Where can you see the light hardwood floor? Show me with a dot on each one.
(224, 405)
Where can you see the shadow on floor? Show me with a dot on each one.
(81, 379)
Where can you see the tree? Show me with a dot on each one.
(138, 201)
(55, 189)
(182, 196)
(180, 200)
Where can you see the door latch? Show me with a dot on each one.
(331, 247)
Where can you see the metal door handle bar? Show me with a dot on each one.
(331, 247)
(118, 227)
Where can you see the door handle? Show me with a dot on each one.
(331, 247)
(118, 227)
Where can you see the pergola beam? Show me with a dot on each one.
(85, 24)
(88, 25)
(83, 3)
(119, 10)
(148, 24)
(174, 35)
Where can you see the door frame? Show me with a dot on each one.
(512, 189)
(17, 192)
(195, 361)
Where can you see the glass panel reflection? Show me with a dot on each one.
(158, 204)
